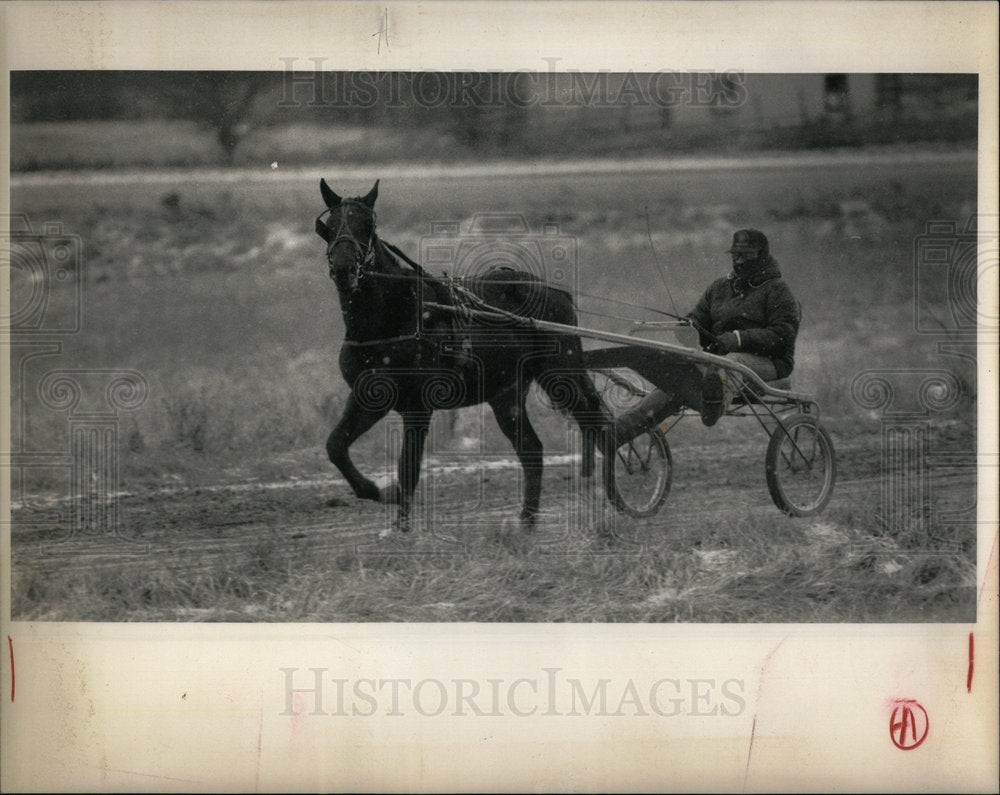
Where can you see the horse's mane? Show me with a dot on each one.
(466, 293)
(438, 286)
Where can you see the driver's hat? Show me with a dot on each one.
(748, 241)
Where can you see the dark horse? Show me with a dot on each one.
(401, 354)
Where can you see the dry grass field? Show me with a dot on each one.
(216, 292)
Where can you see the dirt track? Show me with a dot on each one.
(195, 529)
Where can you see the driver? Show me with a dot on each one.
(750, 317)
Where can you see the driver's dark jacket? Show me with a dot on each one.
(761, 307)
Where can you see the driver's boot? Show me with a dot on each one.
(717, 391)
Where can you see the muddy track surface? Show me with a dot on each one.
(188, 530)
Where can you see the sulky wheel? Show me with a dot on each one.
(644, 471)
(643, 468)
(801, 467)
(637, 480)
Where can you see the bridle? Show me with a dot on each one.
(364, 254)
(364, 262)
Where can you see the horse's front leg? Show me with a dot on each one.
(415, 426)
(354, 422)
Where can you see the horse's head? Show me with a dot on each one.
(349, 232)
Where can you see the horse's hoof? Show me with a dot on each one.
(336, 502)
(514, 536)
(390, 494)
(397, 530)
(369, 491)
(528, 521)
(509, 526)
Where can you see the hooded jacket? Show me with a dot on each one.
(760, 306)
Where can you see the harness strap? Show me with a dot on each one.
(365, 343)
(402, 255)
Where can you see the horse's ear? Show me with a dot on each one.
(321, 230)
(372, 195)
(331, 198)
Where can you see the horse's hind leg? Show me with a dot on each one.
(596, 425)
(512, 417)
(591, 415)
(354, 422)
(415, 425)
(595, 417)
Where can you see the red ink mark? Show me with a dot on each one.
(753, 731)
(760, 690)
(972, 658)
(908, 725)
(10, 643)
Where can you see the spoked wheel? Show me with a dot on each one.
(801, 467)
(644, 470)
(639, 476)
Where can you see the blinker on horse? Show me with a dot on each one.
(400, 355)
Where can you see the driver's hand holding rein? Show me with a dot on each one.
(749, 316)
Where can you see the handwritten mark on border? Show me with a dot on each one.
(908, 725)
(10, 644)
(972, 659)
(383, 31)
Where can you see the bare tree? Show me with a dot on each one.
(224, 101)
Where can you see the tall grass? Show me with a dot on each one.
(218, 293)
(755, 566)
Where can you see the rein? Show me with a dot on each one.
(462, 296)
(381, 341)
(402, 255)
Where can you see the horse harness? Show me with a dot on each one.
(459, 344)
